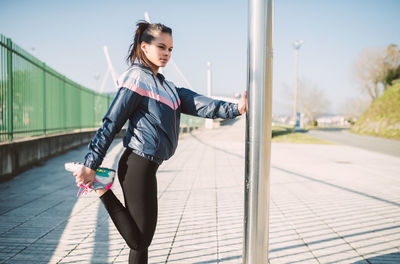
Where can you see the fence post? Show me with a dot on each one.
(80, 108)
(10, 89)
(65, 103)
(44, 99)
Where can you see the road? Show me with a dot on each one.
(344, 137)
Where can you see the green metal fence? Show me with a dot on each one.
(36, 100)
(191, 121)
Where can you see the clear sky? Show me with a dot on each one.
(69, 36)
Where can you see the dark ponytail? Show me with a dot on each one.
(144, 32)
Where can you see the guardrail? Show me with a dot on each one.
(36, 100)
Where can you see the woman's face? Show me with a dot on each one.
(159, 51)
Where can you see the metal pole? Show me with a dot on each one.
(10, 91)
(65, 103)
(209, 122)
(258, 132)
(44, 100)
(296, 82)
(209, 79)
(112, 71)
(296, 45)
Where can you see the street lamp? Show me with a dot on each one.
(296, 45)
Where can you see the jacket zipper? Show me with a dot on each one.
(176, 135)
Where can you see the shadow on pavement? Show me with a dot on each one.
(238, 257)
(216, 148)
(39, 203)
(101, 249)
(387, 258)
(321, 241)
(39, 211)
(337, 186)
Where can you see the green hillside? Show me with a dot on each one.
(382, 118)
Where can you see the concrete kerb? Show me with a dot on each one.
(22, 154)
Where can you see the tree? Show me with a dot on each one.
(368, 71)
(393, 74)
(390, 65)
(373, 66)
(313, 101)
(354, 107)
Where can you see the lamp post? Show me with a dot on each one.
(296, 45)
(258, 132)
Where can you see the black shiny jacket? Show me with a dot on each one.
(153, 107)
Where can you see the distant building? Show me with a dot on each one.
(333, 121)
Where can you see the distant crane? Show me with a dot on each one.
(111, 70)
(147, 18)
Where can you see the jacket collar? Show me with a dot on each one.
(148, 70)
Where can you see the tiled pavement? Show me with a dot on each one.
(329, 204)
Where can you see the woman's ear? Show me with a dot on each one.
(143, 46)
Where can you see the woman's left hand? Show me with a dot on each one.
(242, 105)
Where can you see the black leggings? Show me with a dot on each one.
(137, 220)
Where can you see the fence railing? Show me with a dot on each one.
(36, 100)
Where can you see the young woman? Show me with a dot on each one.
(153, 106)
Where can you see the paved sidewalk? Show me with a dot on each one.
(329, 204)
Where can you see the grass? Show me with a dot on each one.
(382, 118)
(286, 134)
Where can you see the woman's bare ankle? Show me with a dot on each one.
(100, 191)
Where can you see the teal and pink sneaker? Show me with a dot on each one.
(104, 177)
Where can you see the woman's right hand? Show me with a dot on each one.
(85, 176)
(242, 105)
